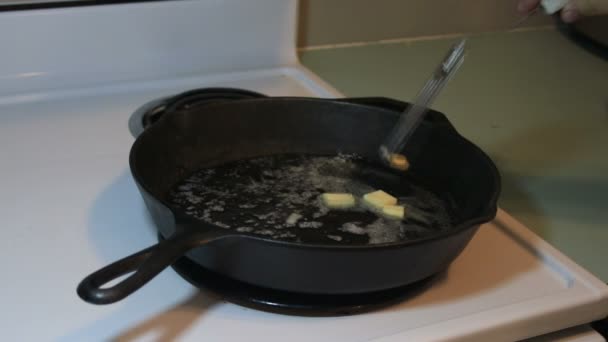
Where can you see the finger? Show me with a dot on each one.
(570, 13)
(525, 6)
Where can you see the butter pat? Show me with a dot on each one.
(338, 200)
(393, 211)
(379, 199)
(398, 161)
(293, 219)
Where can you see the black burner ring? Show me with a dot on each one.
(154, 110)
(195, 98)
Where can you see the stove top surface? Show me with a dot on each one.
(70, 206)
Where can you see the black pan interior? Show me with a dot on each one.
(443, 163)
(278, 197)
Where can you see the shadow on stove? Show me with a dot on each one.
(164, 325)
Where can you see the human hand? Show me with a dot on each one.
(572, 11)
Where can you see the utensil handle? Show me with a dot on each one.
(414, 114)
(144, 265)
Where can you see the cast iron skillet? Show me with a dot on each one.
(183, 141)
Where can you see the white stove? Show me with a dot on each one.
(69, 82)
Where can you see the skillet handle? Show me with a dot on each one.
(144, 265)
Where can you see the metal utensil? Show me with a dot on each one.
(414, 114)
